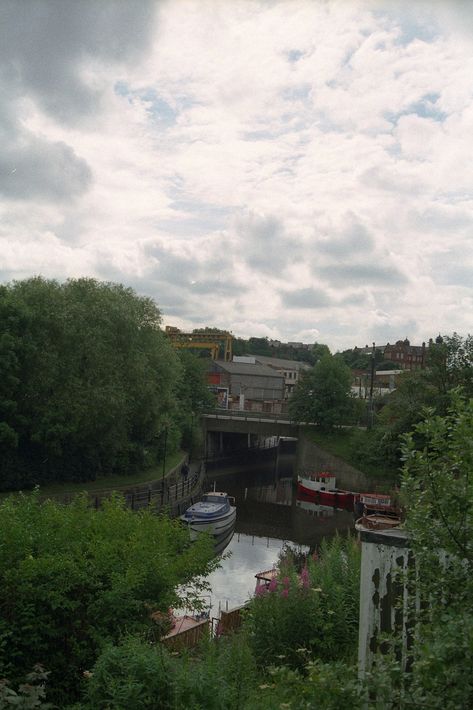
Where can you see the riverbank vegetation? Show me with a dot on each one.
(73, 579)
(293, 653)
(78, 587)
(377, 449)
(89, 384)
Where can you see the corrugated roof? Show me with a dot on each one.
(244, 368)
(282, 362)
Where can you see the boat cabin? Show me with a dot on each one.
(371, 500)
(215, 497)
(326, 481)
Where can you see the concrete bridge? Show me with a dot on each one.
(226, 430)
(245, 422)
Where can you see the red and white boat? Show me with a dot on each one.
(323, 489)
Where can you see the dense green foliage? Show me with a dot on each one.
(315, 612)
(356, 359)
(437, 487)
(140, 676)
(304, 616)
(72, 578)
(323, 394)
(193, 395)
(449, 365)
(261, 346)
(289, 627)
(89, 384)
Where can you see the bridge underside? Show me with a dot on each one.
(251, 426)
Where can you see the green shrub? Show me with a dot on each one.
(311, 615)
(134, 675)
(323, 686)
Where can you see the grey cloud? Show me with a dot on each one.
(393, 180)
(453, 267)
(168, 267)
(306, 298)
(202, 277)
(354, 239)
(353, 299)
(266, 247)
(383, 333)
(217, 287)
(34, 167)
(44, 45)
(369, 274)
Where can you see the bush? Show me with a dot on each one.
(324, 686)
(137, 675)
(134, 675)
(311, 615)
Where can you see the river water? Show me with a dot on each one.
(269, 516)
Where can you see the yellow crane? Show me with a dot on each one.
(203, 340)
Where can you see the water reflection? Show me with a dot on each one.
(269, 515)
(234, 583)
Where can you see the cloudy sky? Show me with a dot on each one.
(299, 169)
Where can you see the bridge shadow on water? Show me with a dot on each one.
(267, 501)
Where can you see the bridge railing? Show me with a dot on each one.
(248, 414)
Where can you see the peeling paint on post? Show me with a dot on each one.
(385, 561)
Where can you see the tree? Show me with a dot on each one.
(322, 395)
(193, 396)
(449, 365)
(88, 377)
(73, 578)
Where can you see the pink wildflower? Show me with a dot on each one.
(305, 582)
(315, 556)
(285, 593)
(286, 582)
(260, 590)
(273, 585)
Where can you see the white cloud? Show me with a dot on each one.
(273, 168)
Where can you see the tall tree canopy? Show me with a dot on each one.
(322, 395)
(87, 377)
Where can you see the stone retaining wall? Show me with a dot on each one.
(311, 457)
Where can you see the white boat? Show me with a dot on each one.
(214, 513)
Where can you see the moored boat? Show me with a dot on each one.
(214, 513)
(322, 488)
(377, 521)
(376, 511)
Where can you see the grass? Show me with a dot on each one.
(113, 482)
(341, 443)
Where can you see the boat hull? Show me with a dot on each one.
(215, 527)
(335, 499)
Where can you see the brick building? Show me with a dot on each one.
(405, 355)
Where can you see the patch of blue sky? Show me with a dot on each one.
(121, 88)
(300, 92)
(410, 25)
(160, 110)
(294, 55)
(426, 107)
